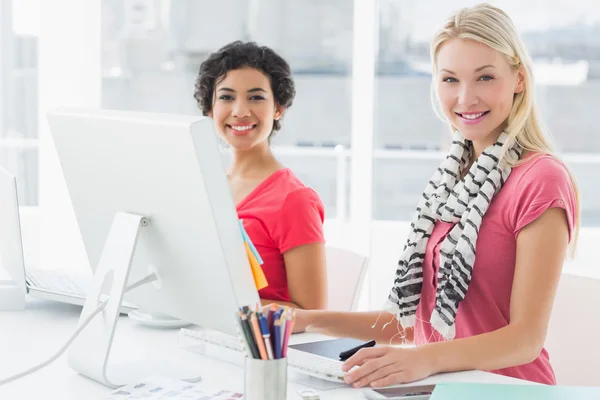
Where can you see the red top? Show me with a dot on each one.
(279, 214)
(540, 183)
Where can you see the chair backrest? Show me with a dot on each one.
(345, 275)
(572, 339)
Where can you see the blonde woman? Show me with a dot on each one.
(477, 277)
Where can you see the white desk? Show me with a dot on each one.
(31, 336)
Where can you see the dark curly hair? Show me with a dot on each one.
(237, 55)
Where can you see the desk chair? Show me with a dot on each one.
(346, 272)
(572, 338)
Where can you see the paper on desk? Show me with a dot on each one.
(161, 387)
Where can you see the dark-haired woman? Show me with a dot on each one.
(246, 89)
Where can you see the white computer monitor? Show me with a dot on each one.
(150, 195)
(11, 249)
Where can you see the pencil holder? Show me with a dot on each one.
(265, 379)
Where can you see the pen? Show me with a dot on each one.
(273, 316)
(277, 344)
(266, 336)
(344, 355)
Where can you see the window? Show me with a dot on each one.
(410, 140)
(18, 97)
(152, 51)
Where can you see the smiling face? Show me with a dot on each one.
(476, 87)
(244, 108)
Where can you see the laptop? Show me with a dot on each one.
(61, 286)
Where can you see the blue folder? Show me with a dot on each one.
(478, 391)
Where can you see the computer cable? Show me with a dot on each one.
(149, 278)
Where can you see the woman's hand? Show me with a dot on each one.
(301, 317)
(386, 365)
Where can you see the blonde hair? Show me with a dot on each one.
(492, 27)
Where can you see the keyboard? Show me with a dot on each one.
(55, 282)
(231, 349)
(315, 365)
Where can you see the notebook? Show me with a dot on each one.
(477, 391)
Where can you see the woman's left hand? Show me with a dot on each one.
(386, 365)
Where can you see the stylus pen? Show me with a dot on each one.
(266, 336)
(344, 355)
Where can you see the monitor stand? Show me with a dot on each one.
(89, 352)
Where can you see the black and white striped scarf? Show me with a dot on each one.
(449, 199)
